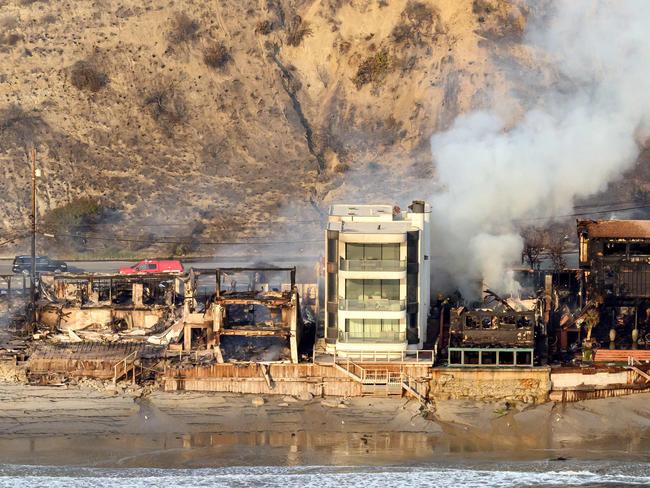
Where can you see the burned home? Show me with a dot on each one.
(246, 329)
(97, 305)
(614, 257)
(255, 315)
(502, 332)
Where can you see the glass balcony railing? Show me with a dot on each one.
(372, 336)
(382, 305)
(372, 265)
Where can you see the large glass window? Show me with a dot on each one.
(373, 330)
(372, 252)
(354, 251)
(372, 289)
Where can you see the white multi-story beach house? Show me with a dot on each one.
(378, 278)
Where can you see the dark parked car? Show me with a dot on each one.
(23, 264)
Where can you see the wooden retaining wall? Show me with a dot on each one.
(587, 393)
(287, 379)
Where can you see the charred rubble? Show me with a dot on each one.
(115, 326)
(497, 332)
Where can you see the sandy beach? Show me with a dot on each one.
(113, 428)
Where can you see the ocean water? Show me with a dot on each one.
(542, 474)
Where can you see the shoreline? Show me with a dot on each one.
(79, 426)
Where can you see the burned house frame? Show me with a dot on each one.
(614, 257)
(76, 300)
(492, 338)
(248, 315)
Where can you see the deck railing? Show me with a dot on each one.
(378, 304)
(372, 265)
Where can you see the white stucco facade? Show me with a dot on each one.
(378, 278)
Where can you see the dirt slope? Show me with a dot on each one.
(204, 119)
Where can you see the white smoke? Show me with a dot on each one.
(580, 135)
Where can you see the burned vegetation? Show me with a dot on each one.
(297, 30)
(84, 75)
(373, 69)
(182, 29)
(216, 56)
(419, 22)
(166, 106)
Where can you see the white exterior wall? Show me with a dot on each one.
(423, 222)
(411, 221)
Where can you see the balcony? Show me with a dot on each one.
(372, 265)
(377, 305)
(370, 335)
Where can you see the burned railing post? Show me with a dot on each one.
(218, 284)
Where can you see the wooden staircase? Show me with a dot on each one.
(125, 367)
(639, 374)
(381, 382)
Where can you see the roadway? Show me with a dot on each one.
(304, 265)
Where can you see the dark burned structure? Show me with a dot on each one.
(503, 335)
(253, 314)
(614, 257)
(75, 301)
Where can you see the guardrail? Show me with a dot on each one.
(372, 265)
(372, 336)
(380, 305)
(423, 356)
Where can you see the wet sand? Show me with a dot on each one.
(86, 427)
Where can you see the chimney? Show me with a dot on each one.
(417, 206)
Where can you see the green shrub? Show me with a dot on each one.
(72, 221)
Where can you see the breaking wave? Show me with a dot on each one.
(584, 474)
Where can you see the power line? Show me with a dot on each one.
(152, 241)
(583, 214)
(189, 225)
(609, 204)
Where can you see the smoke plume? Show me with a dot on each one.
(579, 134)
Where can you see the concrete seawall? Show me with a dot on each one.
(528, 385)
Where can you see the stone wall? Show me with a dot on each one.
(12, 372)
(529, 385)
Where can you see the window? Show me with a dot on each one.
(372, 252)
(363, 290)
(354, 251)
(615, 249)
(640, 249)
(374, 330)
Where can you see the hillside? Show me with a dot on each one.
(214, 121)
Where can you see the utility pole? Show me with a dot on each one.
(32, 276)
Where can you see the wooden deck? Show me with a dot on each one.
(621, 355)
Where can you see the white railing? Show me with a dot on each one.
(372, 265)
(424, 356)
(377, 304)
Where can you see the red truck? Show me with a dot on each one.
(153, 266)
